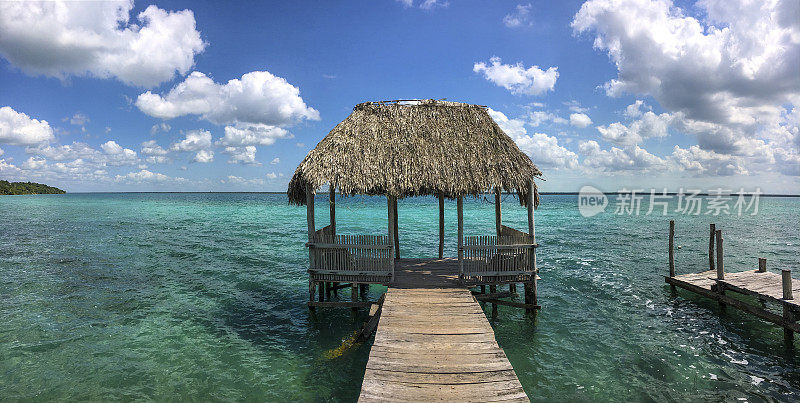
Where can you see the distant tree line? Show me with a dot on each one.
(27, 188)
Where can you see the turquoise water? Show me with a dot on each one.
(201, 296)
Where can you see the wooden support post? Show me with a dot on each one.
(390, 206)
(364, 288)
(498, 222)
(672, 248)
(321, 291)
(396, 231)
(711, 246)
(460, 208)
(493, 290)
(720, 265)
(311, 230)
(786, 282)
(512, 288)
(762, 265)
(441, 226)
(332, 202)
(328, 289)
(354, 294)
(335, 287)
(530, 287)
(483, 289)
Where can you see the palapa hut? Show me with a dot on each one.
(411, 148)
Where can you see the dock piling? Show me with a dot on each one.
(762, 265)
(788, 316)
(711, 247)
(720, 265)
(672, 248)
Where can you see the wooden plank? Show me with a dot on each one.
(435, 344)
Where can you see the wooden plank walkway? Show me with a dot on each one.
(765, 286)
(434, 342)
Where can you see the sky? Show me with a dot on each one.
(231, 96)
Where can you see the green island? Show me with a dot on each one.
(27, 188)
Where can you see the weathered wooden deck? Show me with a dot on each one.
(765, 286)
(434, 342)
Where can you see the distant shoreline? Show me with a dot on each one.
(540, 193)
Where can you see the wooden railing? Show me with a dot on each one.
(492, 259)
(351, 258)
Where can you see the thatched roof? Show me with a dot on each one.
(415, 148)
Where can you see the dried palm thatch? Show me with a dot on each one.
(411, 148)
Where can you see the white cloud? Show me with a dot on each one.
(579, 120)
(154, 153)
(537, 118)
(519, 17)
(79, 119)
(272, 175)
(275, 161)
(242, 155)
(544, 150)
(425, 4)
(195, 140)
(631, 158)
(17, 128)
(648, 125)
(244, 134)
(257, 98)
(160, 127)
(62, 38)
(701, 162)
(729, 77)
(516, 78)
(238, 180)
(112, 154)
(144, 175)
(204, 156)
(34, 163)
(575, 106)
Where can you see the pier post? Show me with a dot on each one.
(354, 294)
(530, 287)
(441, 226)
(460, 208)
(497, 213)
(672, 252)
(396, 230)
(493, 289)
(311, 230)
(720, 264)
(711, 246)
(332, 202)
(390, 232)
(762, 265)
(672, 248)
(786, 282)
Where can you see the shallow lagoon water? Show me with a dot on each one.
(201, 296)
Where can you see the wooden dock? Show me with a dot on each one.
(775, 292)
(434, 342)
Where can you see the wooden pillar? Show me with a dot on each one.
(364, 289)
(530, 287)
(786, 282)
(493, 289)
(390, 207)
(311, 229)
(441, 226)
(460, 208)
(711, 236)
(396, 232)
(720, 264)
(321, 291)
(497, 214)
(672, 248)
(354, 294)
(762, 265)
(332, 202)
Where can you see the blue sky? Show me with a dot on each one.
(611, 93)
